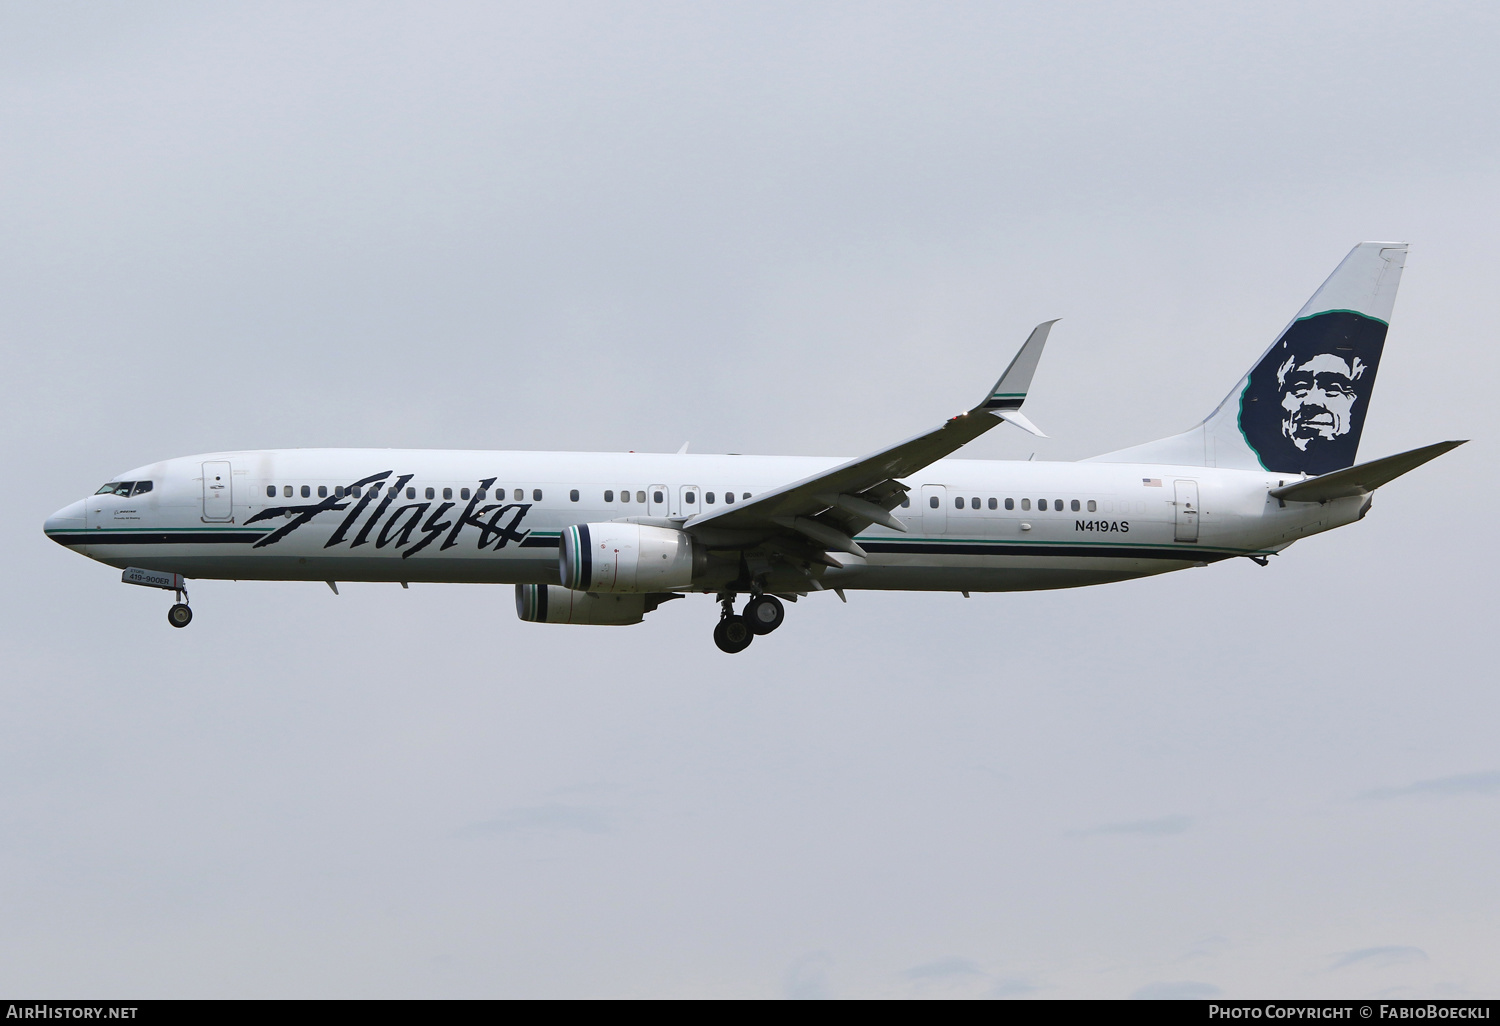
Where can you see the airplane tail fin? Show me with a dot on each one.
(1301, 408)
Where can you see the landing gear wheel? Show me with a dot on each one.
(180, 615)
(733, 634)
(764, 614)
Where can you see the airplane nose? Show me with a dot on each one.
(68, 519)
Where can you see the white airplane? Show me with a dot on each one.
(605, 538)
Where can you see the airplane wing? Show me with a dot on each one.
(1362, 478)
(826, 510)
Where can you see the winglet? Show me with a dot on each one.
(1005, 399)
(1020, 420)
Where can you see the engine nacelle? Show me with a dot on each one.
(628, 558)
(547, 603)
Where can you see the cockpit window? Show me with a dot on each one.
(124, 488)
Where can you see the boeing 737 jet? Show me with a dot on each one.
(605, 538)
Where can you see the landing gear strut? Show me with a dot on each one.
(733, 633)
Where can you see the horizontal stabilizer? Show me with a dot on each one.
(1361, 479)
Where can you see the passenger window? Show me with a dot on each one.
(1057, 505)
(1075, 505)
(411, 493)
(933, 502)
(1041, 504)
(1025, 504)
(974, 502)
(728, 496)
(745, 495)
(708, 497)
(658, 497)
(640, 496)
(1010, 503)
(306, 492)
(482, 495)
(624, 495)
(609, 495)
(994, 504)
(573, 495)
(286, 491)
(356, 491)
(270, 491)
(1093, 506)
(906, 502)
(519, 494)
(322, 491)
(431, 493)
(447, 493)
(109, 489)
(959, 502)
(140, 487)
(689, 498)
(536, 495)
(463, 493)
(338, 491)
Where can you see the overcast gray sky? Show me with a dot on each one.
(788, 228)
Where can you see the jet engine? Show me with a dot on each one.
(628, 558)
(547, 603)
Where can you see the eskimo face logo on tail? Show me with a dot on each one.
(1304, 408)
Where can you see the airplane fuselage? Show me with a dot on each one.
(496, 517)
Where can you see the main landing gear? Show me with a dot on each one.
(762, 615)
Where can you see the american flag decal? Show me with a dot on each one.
(1151, 482)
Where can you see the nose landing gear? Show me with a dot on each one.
(180, 615)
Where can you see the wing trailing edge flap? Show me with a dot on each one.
(1362, 478)
(828, 509)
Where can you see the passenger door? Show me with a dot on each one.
(1187, 510)
(218, 493)
(934, 509)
